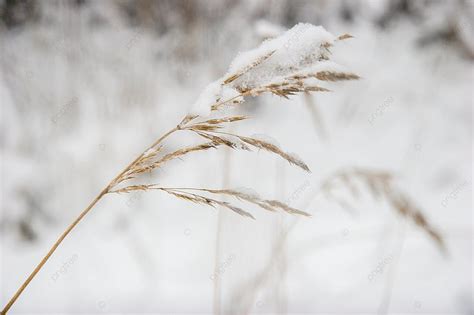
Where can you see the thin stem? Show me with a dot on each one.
(117, 178)
(225, 133)
(218, 240)
(179, 189)
(105, 191)
(51, 251)
(219, 104)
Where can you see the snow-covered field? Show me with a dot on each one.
(82, 93)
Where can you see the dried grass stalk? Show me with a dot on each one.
(186, 194)
(231, 78)
(151, 158)
(381, 186)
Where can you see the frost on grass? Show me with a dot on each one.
(208, 96)
(284, 65)
(295, 62)
(299, 48)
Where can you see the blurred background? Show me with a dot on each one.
(85, 86)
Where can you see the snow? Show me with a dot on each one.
(228, 93)
(209, 96)
(149, 253)
(297, 49)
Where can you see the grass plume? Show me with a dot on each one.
(380, 185)
(267, 72)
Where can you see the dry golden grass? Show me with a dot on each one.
(211, 129)
(380, 185)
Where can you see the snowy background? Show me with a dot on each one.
(86, 85)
